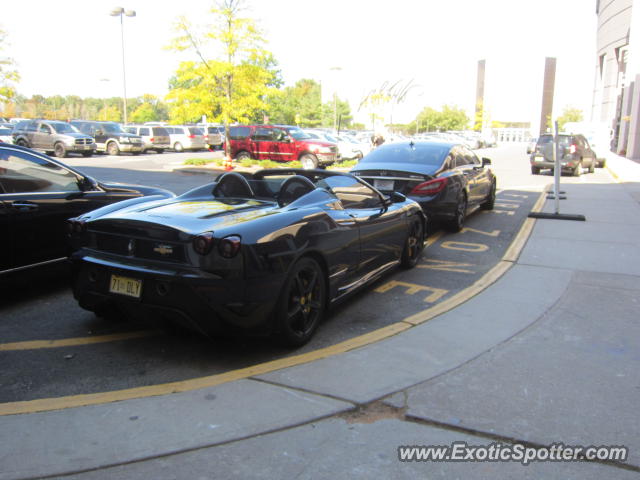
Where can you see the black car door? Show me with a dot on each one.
(38, 196)
(382, 229)
(6, 243)
(481, 177)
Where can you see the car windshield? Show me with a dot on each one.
(562, 139)
(64, 128)
(298, 134)
(112, 128)
(418, 153)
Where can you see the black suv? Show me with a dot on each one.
(54, 137)
(573, 150)
(110, 137)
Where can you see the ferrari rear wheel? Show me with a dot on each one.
(413, 246)
(302, 303)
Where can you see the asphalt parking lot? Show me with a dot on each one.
(52, 348)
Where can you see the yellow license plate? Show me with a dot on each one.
(125, 286)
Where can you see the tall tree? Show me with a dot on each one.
(231, 87)
(569, 114)
(8, 74)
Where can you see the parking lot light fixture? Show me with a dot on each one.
(119, 12)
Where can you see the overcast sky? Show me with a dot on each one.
(73, 47)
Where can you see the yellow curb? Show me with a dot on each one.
(47, 404)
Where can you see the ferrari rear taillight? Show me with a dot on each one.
(431, 187)
(203, 243)
(229, 246)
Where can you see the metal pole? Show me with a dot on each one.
(556, 170)
(124, 75)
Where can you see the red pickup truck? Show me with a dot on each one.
(281, 143)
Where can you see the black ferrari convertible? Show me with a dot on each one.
(265, 253)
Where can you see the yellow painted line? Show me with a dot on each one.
(433, 239)
(46, 404)
(74, 342)
(487, 279)
(513, 252)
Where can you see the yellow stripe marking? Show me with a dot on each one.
(74, 342)
(47, 404)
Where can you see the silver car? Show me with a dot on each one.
(54, 137)
(154, 138)
(182, 137)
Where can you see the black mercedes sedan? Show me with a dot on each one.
(446, 179)
(37, 196)
(265, 253)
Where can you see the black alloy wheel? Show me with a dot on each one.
(413, 247)
(491, 199)
(456, 224)
(302, 303)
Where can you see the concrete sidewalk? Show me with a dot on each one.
(547, 354)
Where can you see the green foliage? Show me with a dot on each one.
(450, 118)
(198, 161)
(8, 74)
(344, 164)
(230, 85)
(71, 106)
(147, 109)
(301, 105)
(569, 114)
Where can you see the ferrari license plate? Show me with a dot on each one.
(125, 286)
(383, 184)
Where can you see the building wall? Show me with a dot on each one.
(616, 90)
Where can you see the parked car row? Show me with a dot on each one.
(88, 137)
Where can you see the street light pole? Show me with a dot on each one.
(335, 99)
(119, 12)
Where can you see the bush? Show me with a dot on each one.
(199, 161)
(345, 164)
